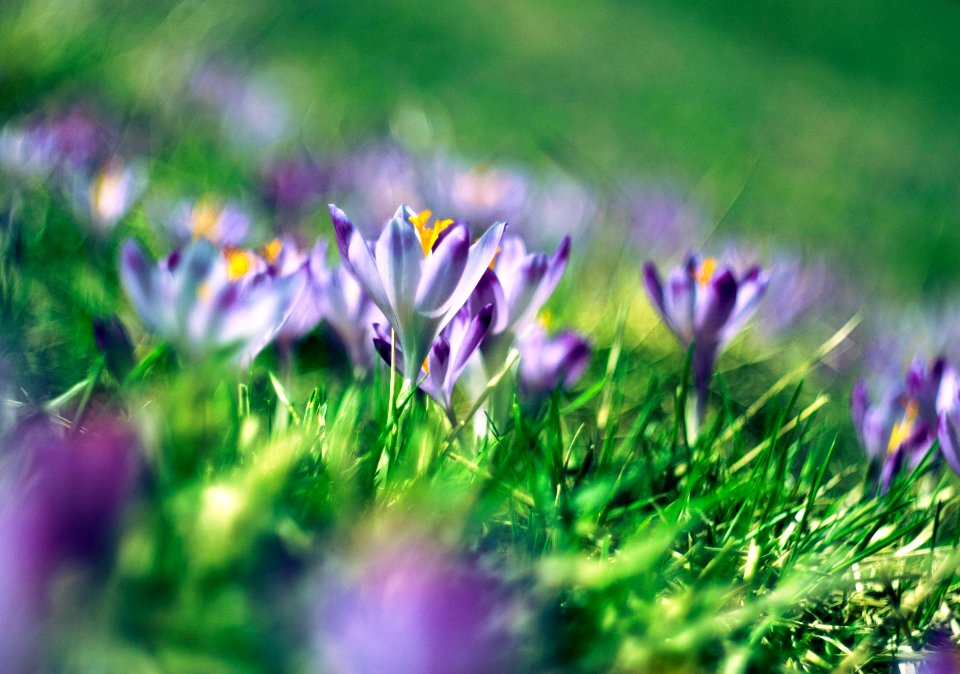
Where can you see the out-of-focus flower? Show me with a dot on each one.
(351, 314)
(112, 191)
(253, 112)
(900, 428)
(284, 258)
(942, 656)
(418, 276)
(707, 306)
(205, 301)
(411, 607)
(658, 219)
(560, 206)
(371, 181)
(517, 285)
(224, 224)
(295, 186)
(948, 417)
(448, 356)
(476, 192)
(60, 502)
(547, 363)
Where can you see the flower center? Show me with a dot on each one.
(204, 219)
(705, 271)
(271, 251)
(239, 263)
(904, 428)
(428, 235)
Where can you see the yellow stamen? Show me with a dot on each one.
(204, 292)
(204, 219)
(428, 235)
(904, 428)
(705, 271)
(545, 319)
(426, 364)
(271, 252)
(494, 260)
(239, 263)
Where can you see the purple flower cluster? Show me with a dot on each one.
(79, 153)
(444, 298)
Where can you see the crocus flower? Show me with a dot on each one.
(412, 607)
(659, 219)
(547, 363)
(294, 186)
(350, 312)
(222, 223)
(205, 301)
(284, 258)
(900, 428)
(107, 197)
(448, 356)
(517, 285)
(477, 192)
(948, 417)
(707, 306)
(418, 276)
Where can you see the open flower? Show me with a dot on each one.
(448, 356)
(550, 362)
(351, 314)
(900, 428)
(419, 276)
(707, 306)
(206, 301)
(221, 223)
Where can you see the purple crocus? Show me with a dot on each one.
(350, 312)
(285, 258)
(448, 356)
(518, 285)
(948, 417)
(222, 223)
(547, 363)
(900, 428)
(106, 197)
(205, 301)
(943, 656)
(419, 276)
(408, 606)
(707, 306)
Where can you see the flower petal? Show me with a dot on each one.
(442, 270)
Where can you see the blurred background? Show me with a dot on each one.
(823, 126)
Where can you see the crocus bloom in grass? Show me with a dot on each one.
(518, 285)
(408, 606)
(294, 186)
(418, 275)
(350, 312)
(477, 192)
(547, 363)
(706, 305)
(284, 258)
(900, 428)
(112, 191)
(222, 223)
(205, 301)
(448, 356)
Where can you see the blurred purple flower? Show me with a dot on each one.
(207, 302)
(943, 656)
(547, 363)
(106, 197)
(418, 276)
(295, 186)
(659, 220)
(284, 258)
(411, 607)
(476, 192)
(253, 112)
(448, 356)
(60, 501)
(948, 417)
(707, 306)
(224, 224)
(900, 428)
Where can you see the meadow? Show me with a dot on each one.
(478, 337)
